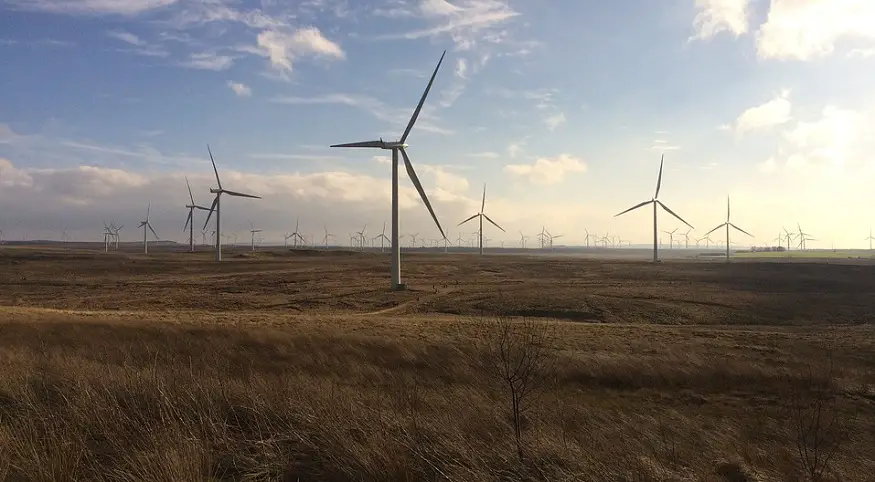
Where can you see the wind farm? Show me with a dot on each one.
(561, 339)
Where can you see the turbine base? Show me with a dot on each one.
(399, 287)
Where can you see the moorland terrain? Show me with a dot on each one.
(302, 365)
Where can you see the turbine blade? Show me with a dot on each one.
(743, 231)
(727, 209)
(189, 190)
(148, 208)
(218, 181)
(659, 179)
(493, 223)
(673, 214)
(412, 174)
(153, 231)
(422, 101)
(188, 219)
(715, 229)
(465, 221)
(240, 194)
(371, 144)
(483, 204)
(212, 208)
(633, 208)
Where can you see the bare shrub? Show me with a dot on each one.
(818, 422)
(519, 355)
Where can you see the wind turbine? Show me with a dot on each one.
(655, 201)
(789, 237)
(482, 215)
(728, 224)
(401, 147)
(145, 224)
(382, 237)
(523, 239)
(327, 235)
(671, 237)
(870, 238)
(362, 238)
(189, 221)
(252, 232)
(216, 206)
(803, 238)
(687, 239)
(413, 240)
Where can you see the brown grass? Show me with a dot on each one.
(261, 394)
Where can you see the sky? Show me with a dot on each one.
(562, 108)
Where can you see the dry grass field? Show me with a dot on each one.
(301, 365)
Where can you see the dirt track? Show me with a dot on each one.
(341, 283)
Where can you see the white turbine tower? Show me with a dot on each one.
(728, 224)
(482, 215)
(382, 237)
(401, 147)
(189, 221)
(145, 224)
(870, 238)
(655, 201)
(217, 208)
(252, 232)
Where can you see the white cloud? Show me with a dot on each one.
(833, 139)
(770, 165)
(94, 7)
(716, 16)
(444, 179)
(12, 177)
(438, 7)
(239, 88)
(862, 53)
(514, 149)
(485, 155)
(208, 61)
(373, 106)
(805, 30)
(461, 68)
(555, 120)
(546, 171)
(468, 23)
(773, 113)
(126, 37)
(283, 47)
(140, 46)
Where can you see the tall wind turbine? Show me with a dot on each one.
(671, 237)
(870, 239)
(145, 224)
(728, 224)
(482, 215)
(523, 239)
(655, 201)
(401, 147)
(362, 238)
(382, 237)
(216, 206)
(252, 232)
(189, 221)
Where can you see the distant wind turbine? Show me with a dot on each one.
(217, 208)
(728, 224)
(870, 239)
(145, 224)
(482, 215)
(382, 237)
(655, 201)
(189, 221)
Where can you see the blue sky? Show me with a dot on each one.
(562, 107)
